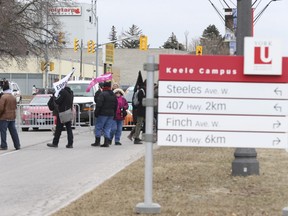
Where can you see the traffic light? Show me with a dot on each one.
(44, 66)
(61, 38)
(143, 42)
(76, 44)
(199, 50)
(52, 66)
(93, 47)
(89, 46)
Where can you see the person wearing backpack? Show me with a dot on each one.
(116, 128)
(141, 94)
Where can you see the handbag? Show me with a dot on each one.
(123, 112)
(66, 116)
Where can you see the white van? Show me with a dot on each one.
(84, 99)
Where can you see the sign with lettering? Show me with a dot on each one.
(65, 11)
(223, 90)
(223, 106)
(222, 139)
(209, 101)
(212, 69)
(262, 56)
(222, 123)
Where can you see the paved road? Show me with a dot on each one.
(38, 180)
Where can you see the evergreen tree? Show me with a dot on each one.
(113, 36)
(212, 42)
(172, 43)
(133, 31)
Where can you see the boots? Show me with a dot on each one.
(110, 140)
(106, 142)
(137, 141)
(130, 136)
(97, 142)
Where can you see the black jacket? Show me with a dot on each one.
(53, 106)
(106, 104)
(65, 99)
(140, 108)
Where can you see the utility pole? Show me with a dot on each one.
(46, 57)
(96, 24)
(81, 59)
(245, 162)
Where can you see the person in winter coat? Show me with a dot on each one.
(116, 128)
(63, 102)
(140, 114)
(8, 106)
(106, 105)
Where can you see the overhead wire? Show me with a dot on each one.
(219, 14)
(226, 4)
(235, 6)
(221, 3)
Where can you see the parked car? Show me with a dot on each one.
(84, 100)
(128, 122)
(16, 92)
(36, 114)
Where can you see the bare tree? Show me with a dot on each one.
(28, 28)
(186, 33)
(193, 44)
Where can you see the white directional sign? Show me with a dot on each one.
(222, 139)
(223, 106)
(209, 101)
(222, 123)
(223, 90)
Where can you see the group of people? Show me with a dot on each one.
(109, 114)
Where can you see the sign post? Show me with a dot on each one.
(148, 207)
(210, 102)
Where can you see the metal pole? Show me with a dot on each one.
(245, 162)
(46, 57)
(81, 58)
(148, 207)
(97, 41)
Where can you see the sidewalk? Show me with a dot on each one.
(54, 177)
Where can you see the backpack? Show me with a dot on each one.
(135, 100)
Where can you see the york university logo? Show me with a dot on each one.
(262, 55)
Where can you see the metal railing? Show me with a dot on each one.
(38, 116)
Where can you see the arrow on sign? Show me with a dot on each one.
(278, 108)
(276, 142)
(277, 125)
(278, 92)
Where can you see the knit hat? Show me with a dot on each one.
(107, 84)
(118, 90)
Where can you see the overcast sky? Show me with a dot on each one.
(159, 18)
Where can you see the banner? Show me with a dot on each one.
(58, 86)
(102, 78)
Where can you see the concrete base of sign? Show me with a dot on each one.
(245, 162)
(285, 211)
(142, 208)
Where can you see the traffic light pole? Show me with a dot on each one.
(81, 58)
(245, 162)
(46, 57)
